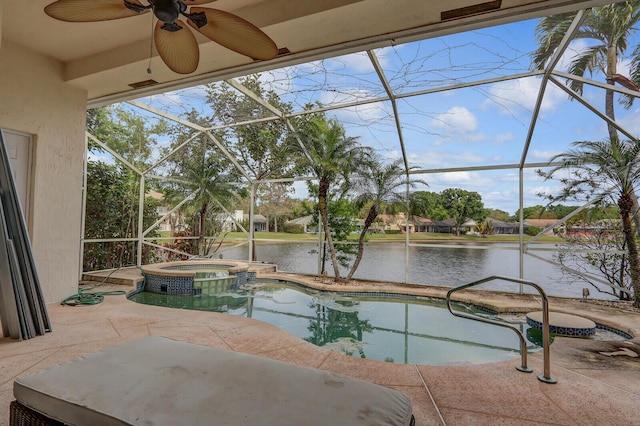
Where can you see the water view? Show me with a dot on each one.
(448, 266)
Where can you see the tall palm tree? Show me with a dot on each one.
(331, 157)
(602, 169)
(199, 166)
(378, 184)
(217, 184)
(212, 175)
(607, 30)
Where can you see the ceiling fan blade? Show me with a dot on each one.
(192, 2)
(91, 11)
(177, 46)
(235, 33)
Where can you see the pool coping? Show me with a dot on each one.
(494, 301)
(162, 269)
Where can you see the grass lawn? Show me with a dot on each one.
(417, 237)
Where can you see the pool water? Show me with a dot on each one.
(399, 330)
(211, 273)
(212, 281)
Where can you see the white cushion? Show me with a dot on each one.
(159, 381)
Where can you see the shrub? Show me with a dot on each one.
(533, 230)
(293, 228)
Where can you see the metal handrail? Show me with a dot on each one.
(546, 377)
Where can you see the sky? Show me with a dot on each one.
(482, 125)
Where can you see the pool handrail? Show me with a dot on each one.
(546, 377)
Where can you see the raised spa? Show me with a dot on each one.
(194, 277)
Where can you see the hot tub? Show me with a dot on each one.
(194, 277)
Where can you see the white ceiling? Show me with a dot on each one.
(105, 57)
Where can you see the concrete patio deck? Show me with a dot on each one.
(592, 388)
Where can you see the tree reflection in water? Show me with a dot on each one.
(337, 328)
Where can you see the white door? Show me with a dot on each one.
(19, 150)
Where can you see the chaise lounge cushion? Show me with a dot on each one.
(159, 381)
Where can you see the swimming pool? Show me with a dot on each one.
(392, 329)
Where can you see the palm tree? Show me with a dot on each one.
(378, 184)
(484, 228)
(602, 169)
(607, 30)
(204, 170)
(331, 156)
(217, 185)
(199, 167)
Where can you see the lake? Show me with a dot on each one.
(448, 265)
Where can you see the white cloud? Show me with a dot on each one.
(506, 200)
(456, 178)
(510, 177)
(460, 136)
(388, 54)
(335, 97)
(624, 67)
(300, 190)
(368, 112)
(501, 138)
(575, 49)
(541, 155)
(278, 80)
(395, 155)
(358, 62)
(457, 120)
(348, 65)
(414, 159)
(531, 192)
(179, 102)
(96, 156)
(513, 95)
(439, 160)
(171, 99)
(631, 122)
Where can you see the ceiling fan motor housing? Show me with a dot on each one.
(168, 10)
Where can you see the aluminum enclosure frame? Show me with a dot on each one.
(549, 75)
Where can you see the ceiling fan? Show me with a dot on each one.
(176, 44)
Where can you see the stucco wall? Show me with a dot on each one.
(35, 100)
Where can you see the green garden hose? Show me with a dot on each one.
(84, 297)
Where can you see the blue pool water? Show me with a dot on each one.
(399, 330)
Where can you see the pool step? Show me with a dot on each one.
(563, 324)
